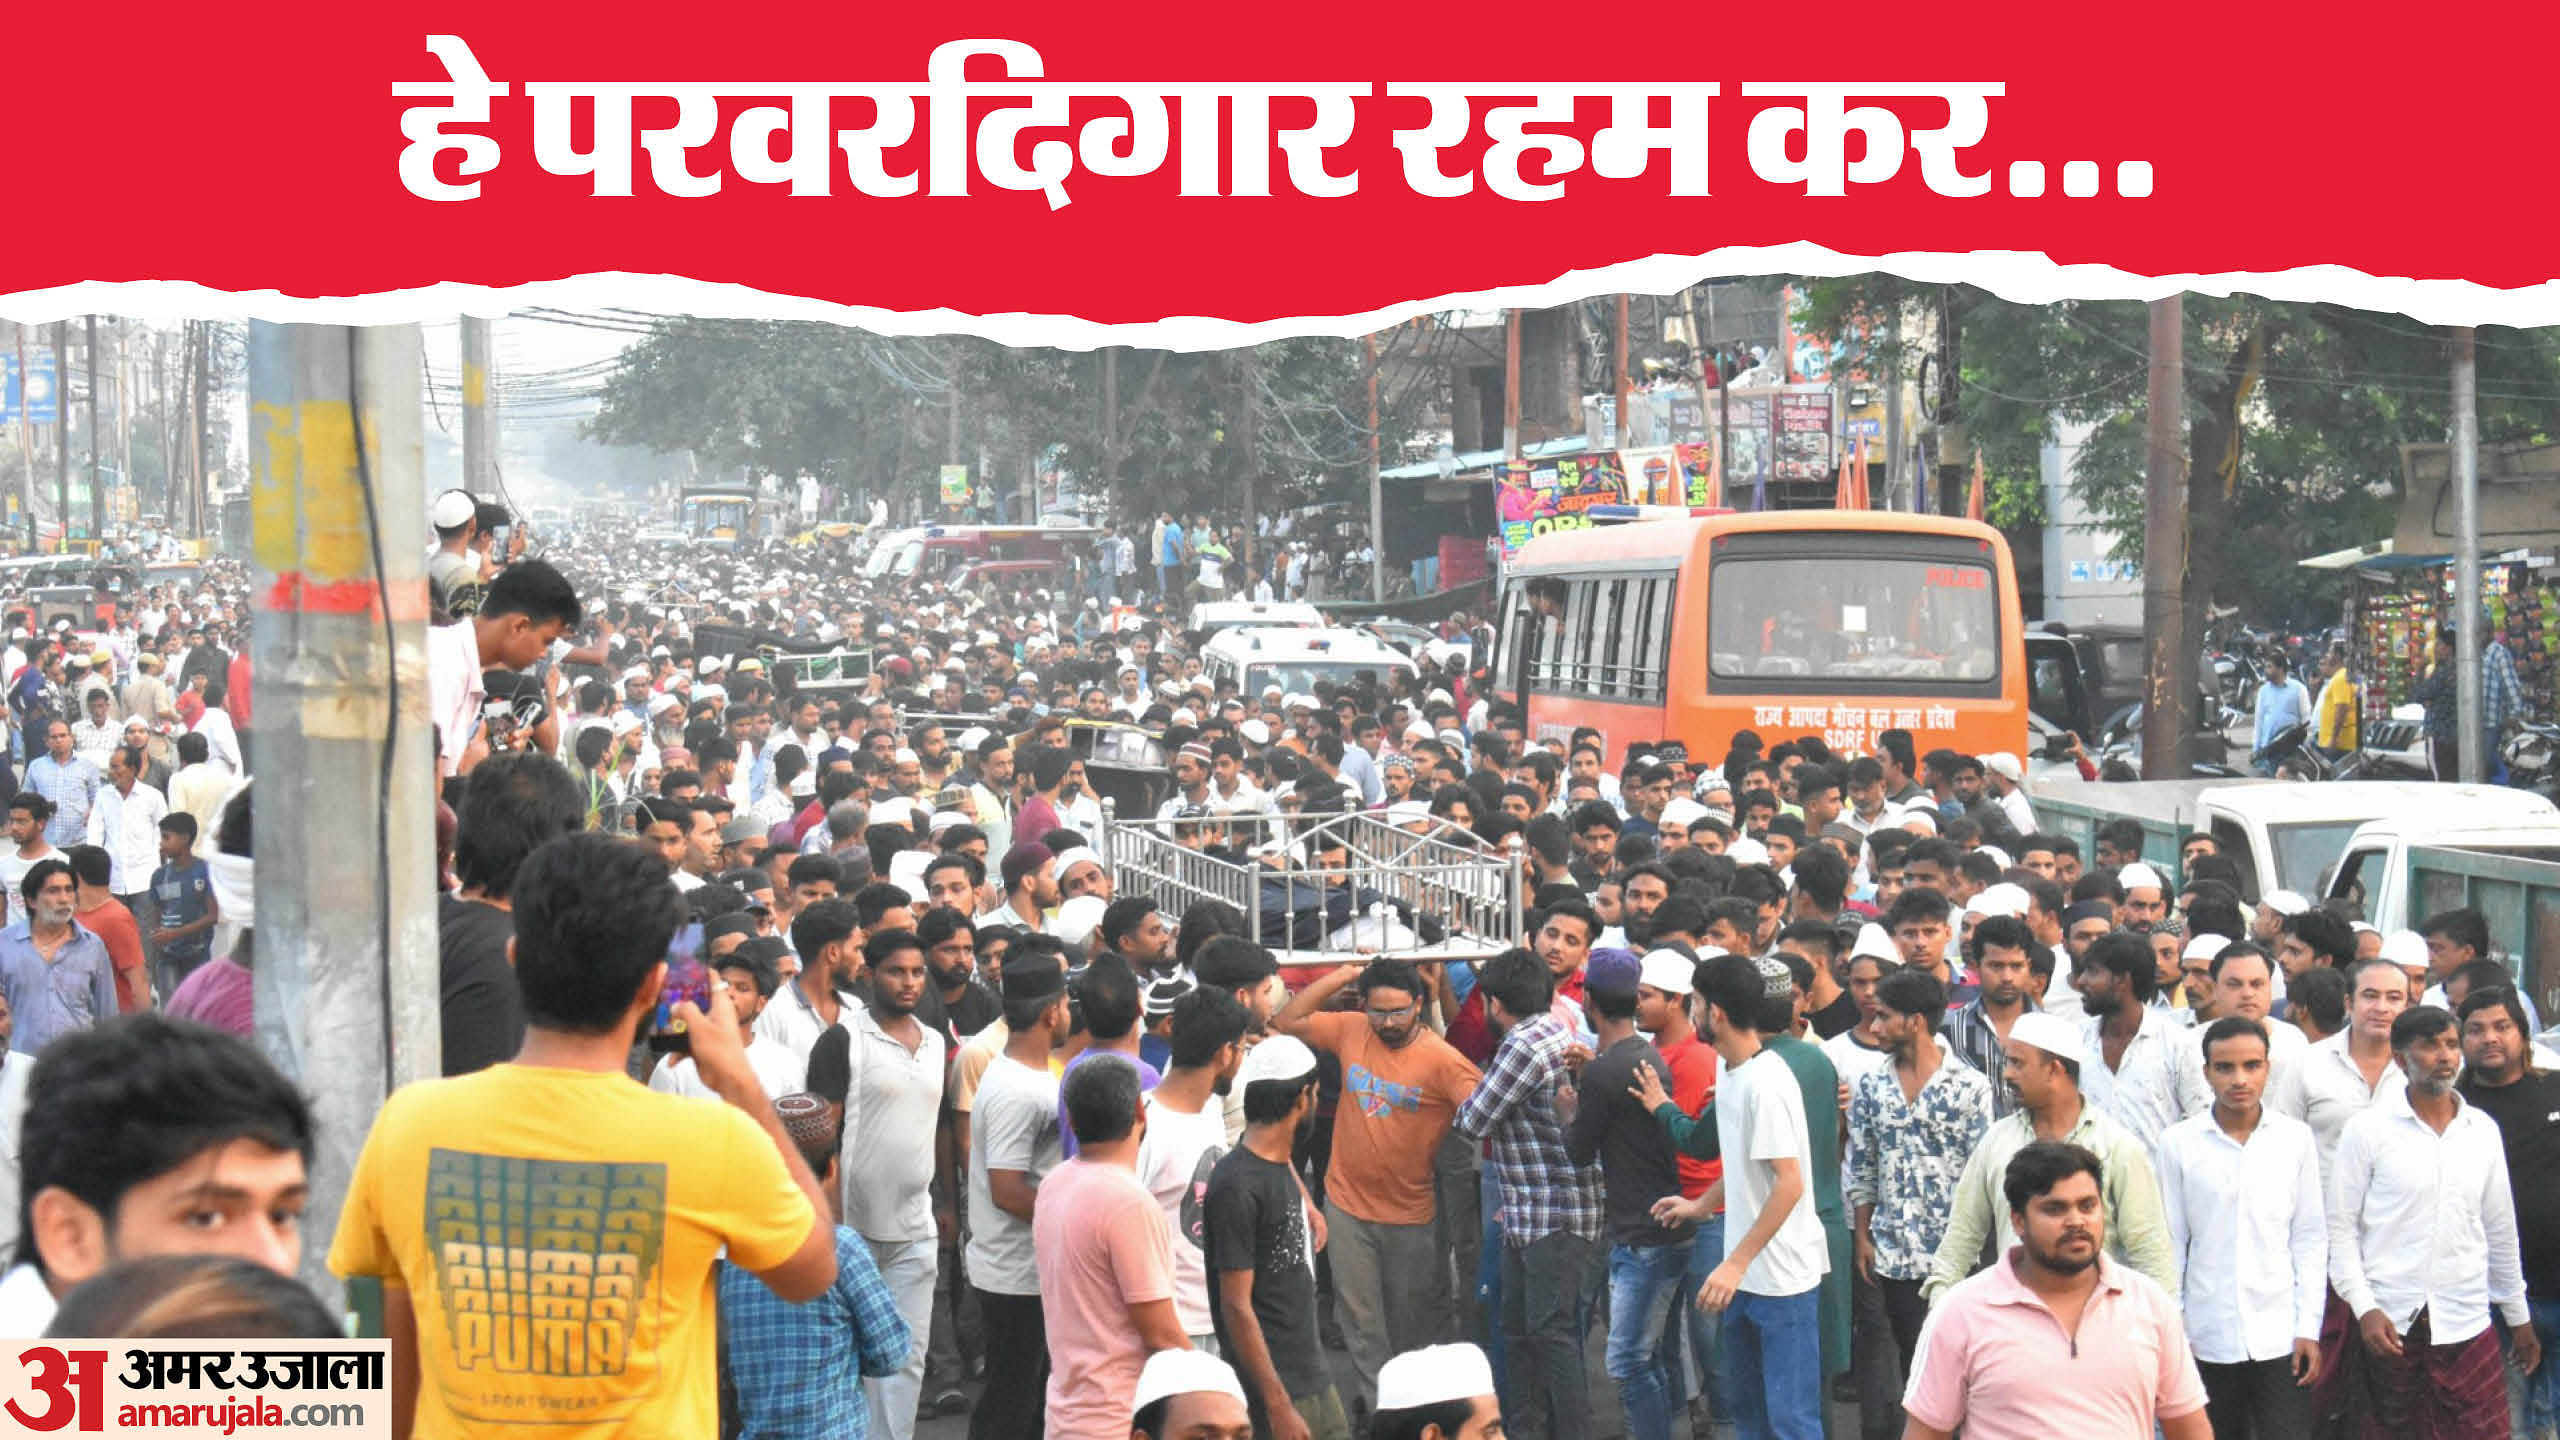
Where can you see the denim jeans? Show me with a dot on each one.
(1773, 1352)
(1700, 1371)
(1646, 1284)
(2533, 1401)
(1489, 1272)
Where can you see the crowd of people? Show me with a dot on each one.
(808, 1071)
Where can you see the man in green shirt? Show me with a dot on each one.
(1820, 1084)
(2044, 1058)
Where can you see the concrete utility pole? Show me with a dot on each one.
(124, 412)
(1248, 383)
(1619, 348)
(97, 491)
(27, 436)
(62, 435)
(1377, 490)
(479, 436)
(2467, 614)
(1511, 384)
(1894, 458)
(347, 990)
(1111, 425)
(2169, 665)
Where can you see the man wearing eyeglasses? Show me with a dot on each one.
(1401, 1086)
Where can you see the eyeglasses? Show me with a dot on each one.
(1396, 1014)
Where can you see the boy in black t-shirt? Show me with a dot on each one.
(1261, 1252)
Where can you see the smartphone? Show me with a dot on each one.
(687, 979)
(498, 722)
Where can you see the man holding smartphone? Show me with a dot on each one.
(528, 607)
(593, 917)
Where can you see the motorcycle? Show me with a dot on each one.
(2395, 749)
(2292, 756)
(2533, 758)
(2236, 676)
(2120, 757)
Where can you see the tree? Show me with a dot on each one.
(877, 413)
(2295, 415)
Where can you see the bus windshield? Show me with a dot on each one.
(704, 514)
(1823, 617)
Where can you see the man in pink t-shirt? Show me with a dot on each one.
(2056, 1339)
(1105, 1255)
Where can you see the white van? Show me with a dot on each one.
(1297, 660)
(1212, 616)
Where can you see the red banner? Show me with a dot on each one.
(1329, 161)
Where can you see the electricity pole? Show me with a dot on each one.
(27, 433)
(97, 492)
(1620, 350)
(346, 979)
(2169, 665)
(479, 437)
(62, 435)
(200, 436)
(1249, 381)
(2467, 614)
(1377, 489)
(1511, 384)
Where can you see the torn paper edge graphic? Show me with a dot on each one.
(2020, 276)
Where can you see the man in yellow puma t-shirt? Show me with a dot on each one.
(545, 1229)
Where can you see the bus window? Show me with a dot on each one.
(1514, 639)
(1834, 618)
(1612, 642)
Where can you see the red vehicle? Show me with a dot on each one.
(929, 552)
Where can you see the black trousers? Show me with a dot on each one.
(2256, 1400)
(1905, 1312)
(1015, 1405)
(1872, 1347)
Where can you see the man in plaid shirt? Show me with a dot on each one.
(796, 1371)
(2501, 702)
(1550, 1207)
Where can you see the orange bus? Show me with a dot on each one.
(1837, 623)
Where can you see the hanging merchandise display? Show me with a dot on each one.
(2398, 612)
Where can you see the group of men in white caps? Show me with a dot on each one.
(1439, 1392)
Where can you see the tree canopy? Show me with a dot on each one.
(880, 413)
(2295, 414)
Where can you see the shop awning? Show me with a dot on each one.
(2351, 557)
(1478, 464)
(2384, 555)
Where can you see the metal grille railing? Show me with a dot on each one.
(1477, 897)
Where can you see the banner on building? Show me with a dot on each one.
(1534, 500)
(1803, 436)
(1653, 476)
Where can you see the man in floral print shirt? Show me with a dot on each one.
(1912, 1124)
